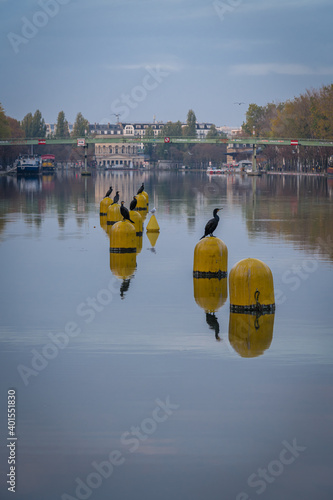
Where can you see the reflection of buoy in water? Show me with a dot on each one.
(210, 293)
(249, 334)
(210, 258)
(113, 214)
(152, 237)
(137, 219)
(103, 206)
(152, 225)
(103, 222)
(251, 287)
(123, 249)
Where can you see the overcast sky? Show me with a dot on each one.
(140, 58)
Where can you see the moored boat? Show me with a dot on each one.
(28, 164)
(48, 164)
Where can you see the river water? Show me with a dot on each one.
(125, 387)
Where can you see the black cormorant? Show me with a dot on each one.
(141, 189)
(124, 212)
(133, 203)
(115, 198)
(109, 191)
(212, 224)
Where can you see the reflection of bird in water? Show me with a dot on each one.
(133, 203)
(124, 287)
(213, 324)
(109, 191)
(115, 198)
(141, 189)
(212, 223)
(124, 212)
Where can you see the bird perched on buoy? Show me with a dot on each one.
(141, 189)
(212, 224)
(124, 212)
(115, 198)
(109, 191)
(133, 203)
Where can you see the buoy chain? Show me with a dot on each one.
(253, 309)
(210, 274)
(122, 250)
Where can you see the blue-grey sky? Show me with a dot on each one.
(160, 57)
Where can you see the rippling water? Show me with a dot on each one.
(125, 386)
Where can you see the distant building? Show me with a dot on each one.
(119, 155)
(51, 128)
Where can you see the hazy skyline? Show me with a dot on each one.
(160, 58)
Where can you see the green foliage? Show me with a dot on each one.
(190, 130)
(81, 126)
(212, 133)
(34, 125)
(62, 126)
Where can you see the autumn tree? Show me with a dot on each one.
(4, 125)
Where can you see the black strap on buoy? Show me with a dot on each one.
(122, 250)
(254, 308)
(219, 274)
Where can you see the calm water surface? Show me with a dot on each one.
(125, 387)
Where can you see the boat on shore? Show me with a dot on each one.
(28, 164)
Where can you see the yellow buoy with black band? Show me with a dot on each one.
(123, 247)
(137, 219)
(103, 222)
(141, 203)
(251, 287)
(103, 206)
(250, 335)
(145, 194)
(113, 214)
(210, 258)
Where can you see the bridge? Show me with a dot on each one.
(85, 141)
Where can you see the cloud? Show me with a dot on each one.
(265, 69)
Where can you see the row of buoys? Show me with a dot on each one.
(125, 230)
(252, 303)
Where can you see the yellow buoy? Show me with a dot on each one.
(138, 244)
(103, 206)
(137, 219)
(152, 225)
(141, 202)
(251, 287)
(113, 214)
(145, 194)
(123, 237)
(249, 334)
(210, 258)
(210, 293)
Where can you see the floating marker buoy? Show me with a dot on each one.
(113, 214)
(141, 202)
(137, 219)
(249, 334)
(145, 194)
(210, 258)
(251, 287)
(210, 293)
(103, 206)
(103, 222)
(123, 237)
(152, 225)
